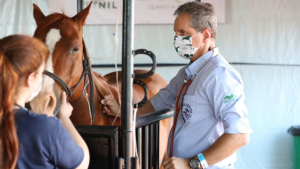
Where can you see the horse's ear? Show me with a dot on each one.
(38, 14)
(82, 15)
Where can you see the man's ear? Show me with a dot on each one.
(207, 34)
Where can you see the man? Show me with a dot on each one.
(210, 122)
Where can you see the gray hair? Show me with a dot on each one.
(203, 16)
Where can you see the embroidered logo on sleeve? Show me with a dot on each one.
(229, 99)
(186, 112)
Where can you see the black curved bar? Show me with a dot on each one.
(146, 96)
(147, 119)
(152, 56)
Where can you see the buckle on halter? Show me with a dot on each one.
(86, 65)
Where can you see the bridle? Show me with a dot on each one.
(86, 71)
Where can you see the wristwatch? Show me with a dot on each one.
(195, 163)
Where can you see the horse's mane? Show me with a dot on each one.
(100, 76)
(49, 20)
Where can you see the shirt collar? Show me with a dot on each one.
(194, 66)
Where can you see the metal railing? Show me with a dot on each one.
(105, 145)
(147, 138)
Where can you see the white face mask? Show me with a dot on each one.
(183, 46)
(34, 94)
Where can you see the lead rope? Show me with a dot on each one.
(85, 93)
(134, 132)
(87, 70)
(115, 34)
(177, 109)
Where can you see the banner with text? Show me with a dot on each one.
(145, 11)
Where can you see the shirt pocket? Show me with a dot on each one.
(194, 109)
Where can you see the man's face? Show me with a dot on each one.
(182, 28)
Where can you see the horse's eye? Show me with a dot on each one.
(75, 50)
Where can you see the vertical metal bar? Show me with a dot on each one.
(134, 162)
(139, 144)
(79, 8)
(127, 70)
(145, 144)
(120, 163)
(79, 5)
(150, 151)
(156, 145)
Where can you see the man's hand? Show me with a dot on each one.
(176, 163)
(111, 107)
(65, 108)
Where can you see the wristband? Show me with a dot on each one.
(202, 161)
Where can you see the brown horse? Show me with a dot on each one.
(63, 37)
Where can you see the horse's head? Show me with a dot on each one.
(63, 37)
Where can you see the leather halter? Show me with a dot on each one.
(86, 71)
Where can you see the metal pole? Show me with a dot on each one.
(127, 80)
(150, 151)
(79, 8)
(145, 147)
(139, 144)
(156, 145)
(79, 5)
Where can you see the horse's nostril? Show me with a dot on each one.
(50, 105)
(51, 102)
(44, 103)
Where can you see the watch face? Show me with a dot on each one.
(195, 163)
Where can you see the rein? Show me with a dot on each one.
(86, 71)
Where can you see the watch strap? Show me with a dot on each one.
(203, 162)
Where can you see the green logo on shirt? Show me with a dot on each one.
(228, 99)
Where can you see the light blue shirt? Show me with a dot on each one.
(213, 105)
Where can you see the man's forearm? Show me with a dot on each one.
(147, 108)
(225, 146)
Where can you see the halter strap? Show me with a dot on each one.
(86, 71)
(2, 49)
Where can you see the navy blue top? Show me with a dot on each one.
(44, 143)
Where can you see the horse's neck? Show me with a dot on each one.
(103, 88)
(81, 114)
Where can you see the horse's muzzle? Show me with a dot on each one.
(44, 103)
